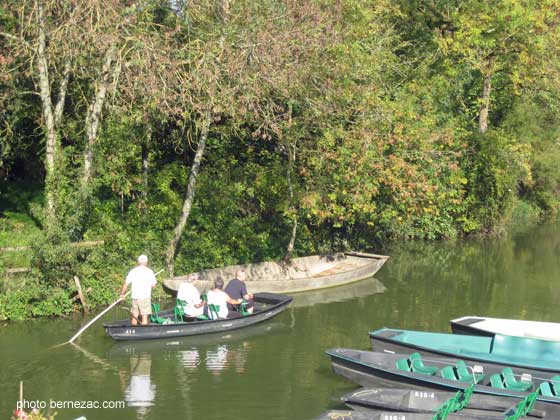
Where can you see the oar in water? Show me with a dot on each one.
(85, 327)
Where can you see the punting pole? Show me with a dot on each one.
(85, 327)
(20, 400)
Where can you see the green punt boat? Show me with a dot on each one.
(375, 369)
(533, 355)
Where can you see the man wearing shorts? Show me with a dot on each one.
(143, 280)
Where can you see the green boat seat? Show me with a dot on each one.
(545, 389)
(555, 382)
(403, 364)
(243, 308)
(154, 317)
(179, 310)
(448, 373)
(213, 311)
(419, 367)
(465, 375)
(496, 381)
(512, 383)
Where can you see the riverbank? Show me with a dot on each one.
(101, 269)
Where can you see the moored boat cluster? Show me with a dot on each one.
(479, 372)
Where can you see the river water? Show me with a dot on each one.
(278, 370)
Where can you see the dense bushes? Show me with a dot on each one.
(363, 124)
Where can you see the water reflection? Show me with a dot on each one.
(190, 359)
(216, 359)
(216, 353)
(358, 289)
(174, 345)
(140, 392)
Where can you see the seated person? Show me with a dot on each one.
(237, 289)
(217, 296)
(190, 294)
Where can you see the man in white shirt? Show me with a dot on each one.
(218, 297)
(189, 293)
(143, 280)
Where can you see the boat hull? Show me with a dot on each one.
(297, 275)
(382, 341)
(392, 415)
(428, 401)
(467, 329)
(123, 330)
(375, 369)
(488, 327)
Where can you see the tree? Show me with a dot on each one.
(493, 38)
(83, 46)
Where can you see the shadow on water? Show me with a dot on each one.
(177, 344)
(360, 288)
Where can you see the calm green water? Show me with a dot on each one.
(278, 370)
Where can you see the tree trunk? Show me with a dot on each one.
(290, 249)
(94, 114)
(145, 167)
(51, 118)
(485, 107)
(48, 117)
(292, 147)
(189, 196)
(59, 109)
(291, 160)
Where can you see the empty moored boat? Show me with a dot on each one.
(533, 355)
(377, 369)
(296, 275)
(477, 325)
(267, 305)
(392, 415)
(430, 401)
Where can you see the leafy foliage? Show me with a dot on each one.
(355, 122)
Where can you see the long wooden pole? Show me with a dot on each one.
(21, 400)
(85, 327)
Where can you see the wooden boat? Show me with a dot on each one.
(429, 401)
(296, 275)
(267, 305)
(377, 369)
(476, 325)
(534, 356)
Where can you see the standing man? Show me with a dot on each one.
(143, 280)
(237, 289)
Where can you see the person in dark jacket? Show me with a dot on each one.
(237, 289)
